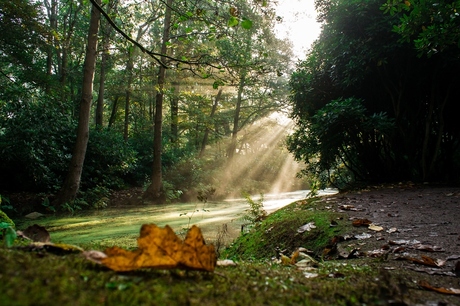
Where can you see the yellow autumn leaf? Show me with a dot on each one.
(160, 248)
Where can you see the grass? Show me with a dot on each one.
(37, 277)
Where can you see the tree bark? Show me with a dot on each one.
(236, 118)
(175, 116)
(113, 114)
(100, 97)
(206, 132)
(71, 184)
(129, 70)
(154, 191)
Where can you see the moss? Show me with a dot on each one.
(45, 279)
(279, 232)
(6, 219)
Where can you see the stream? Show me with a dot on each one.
(113, 224)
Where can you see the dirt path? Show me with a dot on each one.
(418, 221)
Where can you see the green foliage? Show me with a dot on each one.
(340, 136)
(36, 145)
(401, 129)
(8, 234)
(7, 231)
(5, 219)
(108, 160)
(256, 212)
(96, 197)
(432, 26)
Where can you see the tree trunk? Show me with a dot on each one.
(107, 33)
(100, 97)
(175, 116)
(206, 132)
(236, 118)
(129, 71)
(71, 184)
(113, 114)
(154, 191)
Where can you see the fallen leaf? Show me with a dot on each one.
(361, 222)
(363, 236)
(427, 261)
(306, 227)
(453, 257)
(428, 248)
(225, 263)
(294, 256)
(374, 227)
(426, 285)
(160, 248)
(306, 261)
(285, 260)
(310, 275)
(392, 230)
(94, 256)
(401, 242)
(376, 253)
(432, 271)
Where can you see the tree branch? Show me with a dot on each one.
(122, 33)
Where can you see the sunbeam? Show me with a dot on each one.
(261, 162)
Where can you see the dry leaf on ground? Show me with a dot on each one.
(361, 222)
(306, 227)
(427, 261)
(375, 227)
(426, 285)
(160, 248)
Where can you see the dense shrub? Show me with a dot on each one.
(35, 147)
(109, 159)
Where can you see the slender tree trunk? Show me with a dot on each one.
(175, 116)
(206, 132)
(154, 191)
(129, 71)
(236, 118)
(107, 33)
(113, 114)
(71, 184)
(100, 97)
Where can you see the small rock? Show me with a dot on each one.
(34, 215)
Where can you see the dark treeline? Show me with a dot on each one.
(376, 100)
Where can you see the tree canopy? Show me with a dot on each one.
(367, 106)
(199, 73)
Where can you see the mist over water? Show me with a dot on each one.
(261, 163)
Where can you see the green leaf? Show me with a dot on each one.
(216, 84)
(10, 236)
(232, 21)
(246, 24)
(4, 225)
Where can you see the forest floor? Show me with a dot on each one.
(421, 233)
(411, 250)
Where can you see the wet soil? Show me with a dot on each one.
(420, 239)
